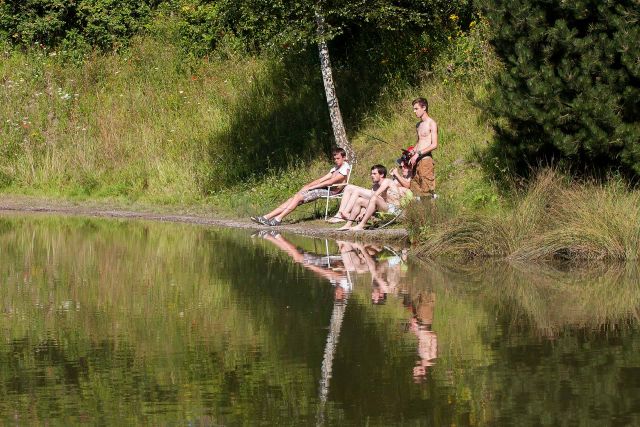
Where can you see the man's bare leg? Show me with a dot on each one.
(349, 190)
(360, 203)
(378, 204)
(357, 193)
(349, 197)
(294, 202)
(279, 209)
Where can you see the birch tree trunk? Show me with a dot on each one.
(337, 124)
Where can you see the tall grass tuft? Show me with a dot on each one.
(551, 219)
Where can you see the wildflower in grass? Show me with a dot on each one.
(454, 17)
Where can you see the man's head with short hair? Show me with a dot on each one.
(340, 151)
(422, 102)
(339, 156)
(378, 173)
(381, 170)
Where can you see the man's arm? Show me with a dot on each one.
(405, 182)
(316, 183)
(327, 180)
(383, 186)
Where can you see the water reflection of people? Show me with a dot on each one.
(422, 307)
(321, 265)
(388, 273)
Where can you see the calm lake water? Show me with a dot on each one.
(120, 322)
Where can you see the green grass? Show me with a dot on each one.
(137, 125)
(235, 135)
(553, 218)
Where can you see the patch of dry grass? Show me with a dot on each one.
(552, 219)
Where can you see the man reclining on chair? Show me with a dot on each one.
(311, 191)
(352, 193)
(385, 199)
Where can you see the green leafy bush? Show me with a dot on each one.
(570, 89)
(282, 25)
(104, 24)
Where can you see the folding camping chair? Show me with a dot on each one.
(337, 196)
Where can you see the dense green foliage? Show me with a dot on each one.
(570, 88)
(284, 24)
(104, 24)
(377, 42)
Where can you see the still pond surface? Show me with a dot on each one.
(114, 322)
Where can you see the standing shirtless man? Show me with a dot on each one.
(424, 180)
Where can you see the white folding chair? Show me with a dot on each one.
(337, 196)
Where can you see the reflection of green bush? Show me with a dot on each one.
(551, 219)
(109, 319)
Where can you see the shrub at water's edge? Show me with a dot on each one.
(553, 219)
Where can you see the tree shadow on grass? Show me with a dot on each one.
(283, 120)
(279, 121)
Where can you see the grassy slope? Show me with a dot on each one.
(151, 127)
(145, 125)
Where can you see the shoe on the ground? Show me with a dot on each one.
(261, 220)
(257, 219)
(272, 222)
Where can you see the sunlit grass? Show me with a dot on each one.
(551, 219)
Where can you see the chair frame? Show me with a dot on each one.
(393, 217)
(337, 196)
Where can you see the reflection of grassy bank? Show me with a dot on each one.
(118, 318)
(120, 314)
(519, 344)
(552, 219)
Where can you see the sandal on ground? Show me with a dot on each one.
(335, 219)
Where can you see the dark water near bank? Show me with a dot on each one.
(110, 322)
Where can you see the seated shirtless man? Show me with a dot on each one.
(403, 176)
(352, 192)
(311, 191)
(355, 197)
(386, 199)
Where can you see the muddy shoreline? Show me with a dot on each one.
(316, 228)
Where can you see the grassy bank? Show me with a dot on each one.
(553, 218)
(235, 134)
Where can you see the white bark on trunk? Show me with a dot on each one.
(337, 124)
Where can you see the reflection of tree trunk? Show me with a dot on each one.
(329, 351)
(330, 90)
